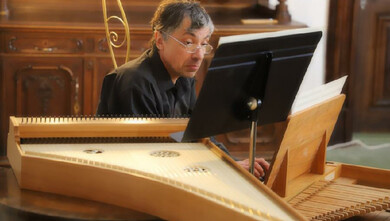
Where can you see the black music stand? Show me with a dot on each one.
(252, 80)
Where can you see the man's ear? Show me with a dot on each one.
(159, 40)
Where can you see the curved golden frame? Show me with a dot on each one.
(112, 37)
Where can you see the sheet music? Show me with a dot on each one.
(309, 98)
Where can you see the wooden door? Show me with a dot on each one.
(371, 104)
(359, 46)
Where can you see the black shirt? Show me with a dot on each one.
(144, 87)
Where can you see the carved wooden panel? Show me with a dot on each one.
(42, 43)
(44, 88)
(36, 91)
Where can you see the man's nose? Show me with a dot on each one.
(199, 54)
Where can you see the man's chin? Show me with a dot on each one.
(189, 74)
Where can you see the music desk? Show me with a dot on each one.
(18, 204)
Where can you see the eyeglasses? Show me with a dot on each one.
(192, 48)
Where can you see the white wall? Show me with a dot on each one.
(313, 13)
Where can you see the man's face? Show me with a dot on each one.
(176, 59)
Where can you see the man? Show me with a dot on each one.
(160, 82)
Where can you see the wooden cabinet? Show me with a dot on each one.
(46, 71)
(54, 58)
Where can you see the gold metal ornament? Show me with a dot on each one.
(112, 36)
